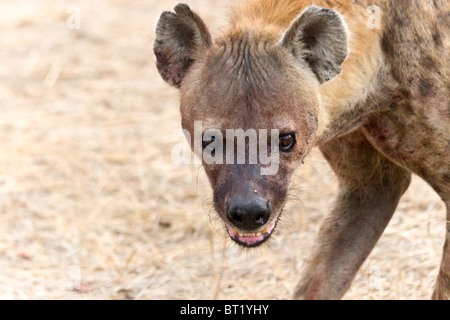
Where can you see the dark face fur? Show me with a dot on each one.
(245, 81)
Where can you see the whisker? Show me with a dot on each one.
(197, 179)
(214, 219)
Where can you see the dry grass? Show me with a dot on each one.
(91, 206)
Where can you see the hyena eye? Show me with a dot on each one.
(208, 141)
(287, 142)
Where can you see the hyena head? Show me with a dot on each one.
(261, 86)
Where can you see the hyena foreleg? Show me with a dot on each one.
(442, 288)
(370, 188)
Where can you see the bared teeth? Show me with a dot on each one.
(268, 229)
(258, 234)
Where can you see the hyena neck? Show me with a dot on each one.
(343, 100)
(357, 92)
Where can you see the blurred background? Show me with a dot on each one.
(91, 205)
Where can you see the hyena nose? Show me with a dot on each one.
(248, 215)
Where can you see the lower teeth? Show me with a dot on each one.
(250, 234)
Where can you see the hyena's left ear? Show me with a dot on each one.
(319, 36)
(179, 37)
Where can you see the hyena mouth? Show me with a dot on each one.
(253, 239)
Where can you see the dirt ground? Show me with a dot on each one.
(91, 205)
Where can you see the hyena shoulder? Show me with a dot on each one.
(415, 44)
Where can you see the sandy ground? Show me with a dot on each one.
(91, 205)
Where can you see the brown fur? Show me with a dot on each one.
(378, 116)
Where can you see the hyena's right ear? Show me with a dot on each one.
(179, 37)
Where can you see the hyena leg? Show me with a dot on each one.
(442, 289)
(370, 188)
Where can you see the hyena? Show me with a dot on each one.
(376, 101)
